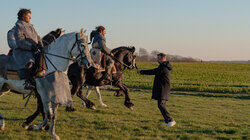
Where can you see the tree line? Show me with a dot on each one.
(144, 56)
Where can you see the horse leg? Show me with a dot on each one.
(119, 93)
(53, 122)
(97, 90)
(39, 110)
(88, 103)
(127, 102)
(4, 89)
(47, 117)
(2, 124)
(89, 89)
(75, 89)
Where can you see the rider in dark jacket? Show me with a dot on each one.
(99, 42)
(161, 87)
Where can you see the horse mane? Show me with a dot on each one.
(57, 40)
(121, 49)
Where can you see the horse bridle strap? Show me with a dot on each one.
(61, 56)
(120, 62)
(73, 59)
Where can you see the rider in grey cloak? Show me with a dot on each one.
(27, 42)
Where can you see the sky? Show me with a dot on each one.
(203, 29)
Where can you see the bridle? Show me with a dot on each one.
(77, 43)
(125, 65)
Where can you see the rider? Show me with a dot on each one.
(11, 40)
(28, 42)
(99, 43)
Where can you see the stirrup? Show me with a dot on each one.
(28, 86)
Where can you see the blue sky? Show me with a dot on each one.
(205, 29)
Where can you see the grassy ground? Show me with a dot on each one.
(222, 112)
(201, 77)
(198, 116)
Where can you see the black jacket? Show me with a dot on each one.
(161, 88)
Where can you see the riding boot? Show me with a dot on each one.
(29, 80)
(107, 75)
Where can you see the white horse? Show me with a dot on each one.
(67, 46)
(98, 93)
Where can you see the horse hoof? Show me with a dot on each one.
(55, 137)
(2, 128)
(34, 127)
(69, 109)
(103, 105)
(131, 108)
(83, 105)
(25, 126)
(2, 124)
(93, 108)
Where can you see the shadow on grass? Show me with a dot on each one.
(191, 93)
(216, 95)
(14, 119)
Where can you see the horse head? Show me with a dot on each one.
(129, 58)
(58, 32)
(126, 56)
(81, 40)
(52, 36)
(67, 47)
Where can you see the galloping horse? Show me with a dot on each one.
(79, 76)
(66, 46)
(47, 39)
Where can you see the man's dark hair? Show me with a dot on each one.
(162, 55)
(100, 29)
(22, 12)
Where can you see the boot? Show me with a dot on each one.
(107, 75)
(29, 83)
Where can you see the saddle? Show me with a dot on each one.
(99, 59)
(10, 70)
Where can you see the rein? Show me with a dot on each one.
(120, 62)
(73, 59)
(60, 56)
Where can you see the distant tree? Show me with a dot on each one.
(143, 54)
(153, 56)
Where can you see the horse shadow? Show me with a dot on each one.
(214, 95)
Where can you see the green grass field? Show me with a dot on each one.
(201, 77)
(221, 112)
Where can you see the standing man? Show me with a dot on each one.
(27, 42)
(161, 87)
(99, 44)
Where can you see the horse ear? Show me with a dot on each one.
(81, 32)
(59, 31)
(133, 49)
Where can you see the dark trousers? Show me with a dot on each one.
(164, 112)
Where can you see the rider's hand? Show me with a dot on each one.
(111, 54)
(40, 48)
